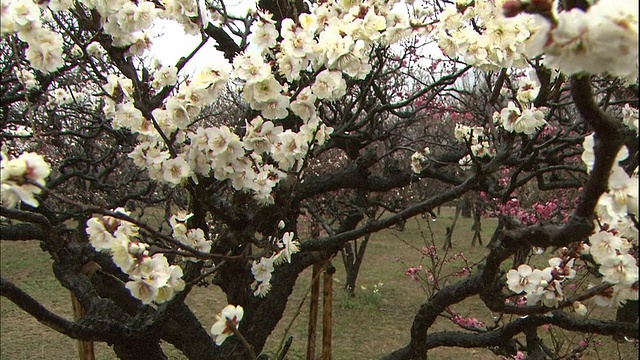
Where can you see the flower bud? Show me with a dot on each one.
(579, 308)
(585, 249)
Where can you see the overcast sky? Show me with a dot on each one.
(170, 43)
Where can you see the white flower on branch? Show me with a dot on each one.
(524, 279)
(228, 319)
(19, 178)
(329, 85)
(620, 269)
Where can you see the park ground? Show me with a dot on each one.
(365, 327)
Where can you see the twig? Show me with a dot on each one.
(244, 341)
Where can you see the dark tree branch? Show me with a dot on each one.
(35, 309)
(609, 138)
(26, 216)
(225, 42)
(21, 231)
(504, 334)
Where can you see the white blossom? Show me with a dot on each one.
(229, 317)
(329, 85)
(20, 177)
(524, 279)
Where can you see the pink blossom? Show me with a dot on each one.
(573, 286)
(413, 271)
(583, 343)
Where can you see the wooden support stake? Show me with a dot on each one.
(313, 312)
(85, 348)
(327, 308)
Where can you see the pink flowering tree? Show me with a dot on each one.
(144, 179)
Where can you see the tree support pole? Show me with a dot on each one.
(327, 308)
(313, 312)
(85, 348)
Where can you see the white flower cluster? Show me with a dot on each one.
(164, 76)
(152, 278)
(338, 35)
(191, 14)
(478, 141)
(263, 268)
(526, 121)
(542, 286)
(479, 34)
(418, 158)
(20, 176)
(263, 34)
(617, 267)
(522, 117)
(604, 39)
(219, 150)
(334, 39)
(621, 199)
(25, 18)
(609, 248)
(194, 238)
(126, 22)
(27, 78)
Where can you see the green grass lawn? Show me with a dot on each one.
(361, 328)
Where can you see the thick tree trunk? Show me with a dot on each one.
(185, 332)
(139, 350)
(261, 315)
(535, 350)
